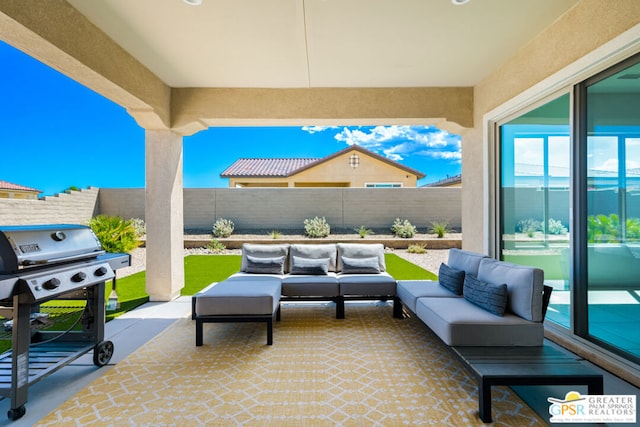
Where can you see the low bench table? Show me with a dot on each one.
(238, 301)
(542, 365)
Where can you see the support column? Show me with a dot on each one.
(164, 215)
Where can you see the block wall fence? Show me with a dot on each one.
(261, 209)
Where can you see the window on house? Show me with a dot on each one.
(383, 184)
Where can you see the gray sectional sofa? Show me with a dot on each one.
(476, 301)
(479, 301)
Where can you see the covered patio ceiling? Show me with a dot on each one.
(321, 43)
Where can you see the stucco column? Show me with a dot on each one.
(164, 215)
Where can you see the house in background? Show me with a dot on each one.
(352, 167)
(9, 190)
(450, 181)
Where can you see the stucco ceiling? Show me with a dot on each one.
(322, 43)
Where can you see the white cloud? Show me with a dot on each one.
(400, 142)
(315, 129)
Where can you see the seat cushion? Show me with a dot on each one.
(239, 297)
(460, 323)
(381, 284)
(410, 290)
(301, 285)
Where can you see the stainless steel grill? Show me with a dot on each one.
(37, 264)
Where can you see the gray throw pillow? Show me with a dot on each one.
(451, 278)
(258, 265)
(360, 265)
(488, 296)
(315, 266)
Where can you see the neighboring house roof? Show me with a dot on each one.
(287, 167)
(456, 179)
(5, 185)
(266, 167)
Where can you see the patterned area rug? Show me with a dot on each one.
(366, 370)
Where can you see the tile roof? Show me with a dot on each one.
(5, 185)
(266, 167)
(286, 167)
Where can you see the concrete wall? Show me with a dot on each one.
(287, 208)
(75, 207)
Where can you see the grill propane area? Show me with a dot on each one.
(40, 263)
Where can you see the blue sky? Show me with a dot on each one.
(57, 134)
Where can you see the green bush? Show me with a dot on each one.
(216, 246)
(529, 226)
(417, 249)
(139, 226)
(223, 228)
(275, 234)
(114, 233)
(363, 231)
(440, 229)
(403, 228)
(316, 227)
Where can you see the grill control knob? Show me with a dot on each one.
(51, 284)
(78, 277)
(101, 271)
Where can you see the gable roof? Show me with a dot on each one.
(5, 185)
(284, 167)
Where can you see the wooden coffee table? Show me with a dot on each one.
(543, 365)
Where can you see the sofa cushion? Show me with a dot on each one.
(361, 250)
(300, 285)
(451, 278)
(239, 297)
(410, 290)
(368, 265)
(488, 296)
(524, 285)
(467, 261)
(263, 251)
(322, 250)
(460, 323)
(318, 266)
(380, 284)
(259, 265)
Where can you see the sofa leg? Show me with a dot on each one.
(270, 332)
(278, 312)
(397, 308)
(340, 308)
(198, 333)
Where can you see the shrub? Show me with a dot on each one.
(216, 246)
(275, 234)
(363, 231)
(223, 228)
(440, 229)
(139, 225)
(403, 228)
(417, 249)
(316, 227)
(529, 226)
(556, 227)
(114, 233)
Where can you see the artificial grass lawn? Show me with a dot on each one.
(202, 270)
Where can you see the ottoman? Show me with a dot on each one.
(238, 301)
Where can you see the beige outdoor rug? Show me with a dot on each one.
(366, 370)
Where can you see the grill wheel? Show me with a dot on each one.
(102, 353)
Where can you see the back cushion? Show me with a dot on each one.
(315, 251)
(361, 250)
(263, 251)
(465, 260)
(524, 284)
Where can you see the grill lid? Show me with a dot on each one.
(37, 245)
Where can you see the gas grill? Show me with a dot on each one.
(40, 263)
